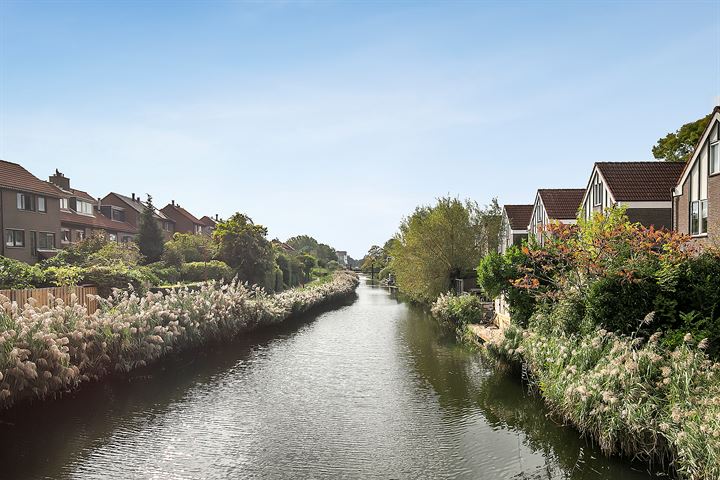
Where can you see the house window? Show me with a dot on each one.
(715, 158)
(15, 238)
(46, 241)
(84, 207)
(79, 235)
(698, 199)
(65, 235)
(41, 205)
(167, 226)
(198, 229)
(118, 215)
(64, 203)
(597, 192)
(25, 202)
(112, 237)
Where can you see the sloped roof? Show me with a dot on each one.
(207, 221)
(562, 203)
(97, 221)
(518, 216)
(641, 181)
(138, 205)
(714, 116)
(15, 177)
(184, 213)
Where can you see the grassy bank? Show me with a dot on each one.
(633, 396)
(46, 350)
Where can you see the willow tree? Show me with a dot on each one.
(439, 243)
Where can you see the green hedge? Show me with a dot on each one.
(199, 271)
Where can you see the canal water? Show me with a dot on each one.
(373, 389)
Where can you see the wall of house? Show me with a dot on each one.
(182, 224)
(714, 209)
(131, 216)
(657, 217)
(12, 218)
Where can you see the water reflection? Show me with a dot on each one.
(374, 389)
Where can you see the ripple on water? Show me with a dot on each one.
(375, 389)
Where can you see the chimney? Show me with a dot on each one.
(60, 180)
(217, 217)
(172, 202)
(133, 196)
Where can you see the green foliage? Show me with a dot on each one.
(18, 275)
(187, 247)
(167, 274)
(679, 145)
(112, 252)
(243, 245)
(437, 244)
(332, 265)
(61, 276)
(107, 277)
(77, 253)
(150, 237)
(458, 310)
(201, 271)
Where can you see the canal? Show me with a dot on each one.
(373, 389)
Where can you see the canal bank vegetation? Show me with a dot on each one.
(619, 327)
(238, 248)
(439, 243)
(46, 350)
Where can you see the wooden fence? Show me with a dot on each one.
(42, 295)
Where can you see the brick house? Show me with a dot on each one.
(696, 197)
(129, 209)
(644, 188)
(208, 224)
(554, 205)
(29, 214)
(185, 222)
(514, 225)
(81, 217)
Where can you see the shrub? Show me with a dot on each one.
(201, 271)
(60, 276)
(458, 310)
(187, 247)
(113, 252)
(15, 274)
(167, 274)
(118, 276)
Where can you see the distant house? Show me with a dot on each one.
(80, 216)
(29, 214)
(554, 205)
(185, 222)
(514, 225)
(209, 224)
(644, 188)
(696, 197)
(129, 209)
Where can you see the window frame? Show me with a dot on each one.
(714, 163)
(15, 243)
(44, 236)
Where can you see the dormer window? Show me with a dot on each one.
(64, 203)
(84, 207)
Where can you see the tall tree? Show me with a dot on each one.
(243, 245)
(437, 244)
(150, 237)
(679, 145)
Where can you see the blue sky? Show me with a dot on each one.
(337, 119)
